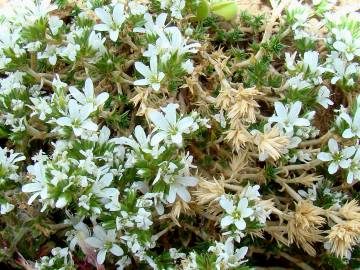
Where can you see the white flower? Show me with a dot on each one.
(78, 118)
(354, 168)
(6, 208)
(151, 27)
(290, 60)
(96, 41)
(7, 164)
(235, 214)
(227, 257)
(354, 125)
(338, 158)
(136, 8)
(49, 53)
(252, 192)
(142, 219)
(38, 186)
(323, 97)
(310, 62)
(343, 72)
(152, 76)
(178, 186)
(55, 24)
(176, 7)
(346, 44)
(173, 42)
(188, 66)
(102, 190)
(168, 126)
(111, 24)
(70, 51)
(288, 117)
(88, 97)
(104, 241)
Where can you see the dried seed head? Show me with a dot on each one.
(238, 137)
(343, 237)
(350, 210)
(303, 227)
(271, 142)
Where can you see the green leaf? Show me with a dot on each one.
(226, 9)
(202, 9)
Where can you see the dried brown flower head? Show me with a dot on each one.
(304, 226)
(208, 191)
(271, 142)
(238, 137)
(343, 237)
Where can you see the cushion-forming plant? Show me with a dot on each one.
(179, 134)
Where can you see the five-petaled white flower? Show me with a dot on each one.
(354, 168)
(152, 75)
(178, 186)
(323, 97)
(288, 117)
(111, 24)
(88, 97)
(338, 158)
(78, 118)
(354, 125)
(104, 241)
(168, 127)
(226, 255)
(346, 44)
(235, 214)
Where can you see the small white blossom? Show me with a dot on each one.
(288, 116)
(104, 241)
(152, 75)
(235, 214)
(168, 127)
(55, 24)
(111, 23)
(336, 157)
(88, 95)
(78, 118)
(323, 97)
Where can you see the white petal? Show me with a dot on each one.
(324, 156)
(347, 134)
(116, 250)
(159, 120)
(348, 152)
(157, 138)
(140, 135)
(185, 123)
(77, 94)
(143, 70)
(240, 224)
(89, 125)
(142, 82)
(333, 146)
(89, 88)
(100, 258)
(102, 27)
(226, 221)
(31, 187)
(103, 15)
(333, 167)
(183, 193)
(114, 34)
(94, 242)
(186, 180)
(177, 139)
(64, 121)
